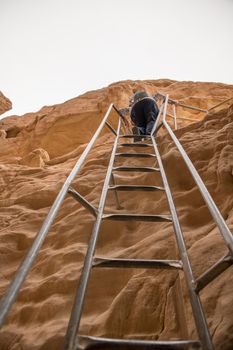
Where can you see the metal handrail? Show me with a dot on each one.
(191, 107)
(177, 103)
(219, 104)
(13, 290)
(217, 216)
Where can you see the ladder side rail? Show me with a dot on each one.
(14, 287)
(88, 261)
(217, 216)
(156, 127)
(199, 317)
(117, 201)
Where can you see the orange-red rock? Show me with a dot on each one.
(5, 103)
(38, 150)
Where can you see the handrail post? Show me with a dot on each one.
(174, 113)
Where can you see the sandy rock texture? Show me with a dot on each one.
(5, 103)
(37, 152)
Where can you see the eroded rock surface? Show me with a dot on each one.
(38, 150)
(5, 103)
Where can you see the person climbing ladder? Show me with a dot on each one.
(143, 113)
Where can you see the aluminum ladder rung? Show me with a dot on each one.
(137, 263)
(140, 155)
(145, 169)
(89, 342)
(136, 217)
(135, 188)
(135, 144)
(131, 136)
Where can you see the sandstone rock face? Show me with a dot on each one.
(38, 150)
(5, 103)
(36, 158)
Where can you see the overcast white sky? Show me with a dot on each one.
(53, 50)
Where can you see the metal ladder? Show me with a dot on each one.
(75, 341)
(78, 342)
